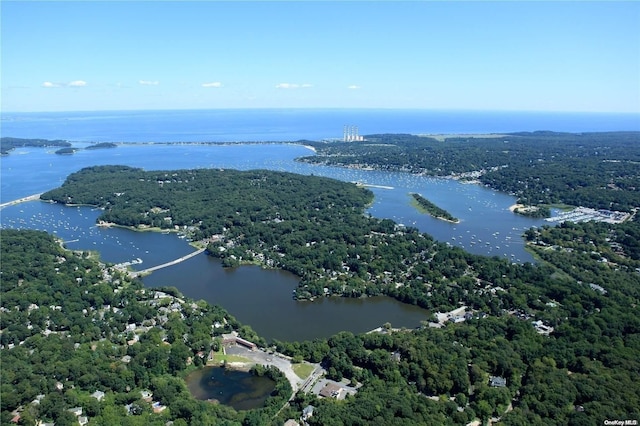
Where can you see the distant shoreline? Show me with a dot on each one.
(443, 136)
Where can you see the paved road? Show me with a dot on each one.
(279, 361)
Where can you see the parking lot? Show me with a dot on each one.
(282, 363)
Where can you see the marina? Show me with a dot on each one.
(585, 214)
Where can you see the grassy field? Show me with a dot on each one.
(302, 370)
(220, 357)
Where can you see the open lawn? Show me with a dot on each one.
(220, 357)
(302, 370)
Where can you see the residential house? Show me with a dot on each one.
(331, 390)
(98, 395)
(497, 381)
(307, 413)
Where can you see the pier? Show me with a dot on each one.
(370, 185)
(164, 265)
(21, 200)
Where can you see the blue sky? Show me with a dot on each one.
(529, 56)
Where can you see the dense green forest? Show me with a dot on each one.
(7, 143)
(432, 209)
(72, 326)
(598, 170)
(66, 322)
(561, 335)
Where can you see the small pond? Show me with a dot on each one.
(240, 390)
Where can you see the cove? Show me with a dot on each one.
(238, 389)
(262, 298)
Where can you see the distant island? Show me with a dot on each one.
(66, 151)
(7, 144)
(432, 209)
(102, 145)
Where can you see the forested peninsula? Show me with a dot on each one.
(7, 144)
(432, 209)
(597, 170)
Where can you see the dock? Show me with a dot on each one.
(33, 197)
(370, 185)
(167, 264)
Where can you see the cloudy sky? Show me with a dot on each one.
(531, 56)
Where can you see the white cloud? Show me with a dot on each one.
(77, 83)
(353, 87)
(148, 83)
(292, 85)
(212, 84)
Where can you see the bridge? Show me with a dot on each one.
(164, 265)
(21, 200)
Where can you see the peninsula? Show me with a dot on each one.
(596, 170)
(7, 144)
(433, 210)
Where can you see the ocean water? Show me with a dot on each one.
(487, 226)
(245, 125)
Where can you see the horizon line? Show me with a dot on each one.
(528, 111)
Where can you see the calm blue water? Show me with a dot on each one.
(487, 226)
(291, 124)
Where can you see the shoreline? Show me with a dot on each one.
(441, 137)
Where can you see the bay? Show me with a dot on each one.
(259, 297)
(487, 226)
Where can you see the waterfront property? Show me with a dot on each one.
(233, 339)
(585, 214)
